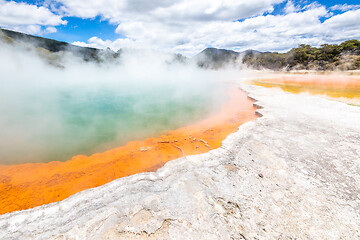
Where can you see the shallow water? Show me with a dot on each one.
(343, 88)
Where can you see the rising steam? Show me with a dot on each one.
(55, 111)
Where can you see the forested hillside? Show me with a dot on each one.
(345, 56)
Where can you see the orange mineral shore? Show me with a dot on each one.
(332, 85)
(29, 185)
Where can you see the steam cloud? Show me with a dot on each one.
(50, 113)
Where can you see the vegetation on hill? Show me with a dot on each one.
(344, 56)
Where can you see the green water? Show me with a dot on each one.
(55, 124)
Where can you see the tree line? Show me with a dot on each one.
(344, 56)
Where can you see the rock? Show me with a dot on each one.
(144, 149)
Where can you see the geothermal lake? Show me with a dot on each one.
(29, 185)
(52, 123)
(51, 113)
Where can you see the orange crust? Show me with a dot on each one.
(336, 86)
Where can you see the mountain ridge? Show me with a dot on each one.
(55, 46)
(344, 56)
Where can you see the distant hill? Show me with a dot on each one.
(344, 56)
(86, 53)
(51, 50)
(215, 58)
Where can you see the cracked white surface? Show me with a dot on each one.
(292, 174)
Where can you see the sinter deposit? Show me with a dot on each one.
(292, 174)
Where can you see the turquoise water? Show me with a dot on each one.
(55, 123)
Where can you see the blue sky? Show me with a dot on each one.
(78, 29)
(186, 26)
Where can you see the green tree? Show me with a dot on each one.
(350, 45)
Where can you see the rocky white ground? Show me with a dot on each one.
(292, 174)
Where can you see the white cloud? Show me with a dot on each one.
(344, 7)
(169, 24)
(350, 19)
(188, 10)
(96, 42)
(27, 18)
(188, 26)
(265, 33)
(343, 26)
(30, 29)
(290, 7)
(269, 32)
(50, 29)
